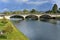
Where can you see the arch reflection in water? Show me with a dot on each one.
(49, 21)
(17, 17)
(46, 16)
(31, 17)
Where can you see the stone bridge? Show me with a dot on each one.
(25, 15)
(8, 17)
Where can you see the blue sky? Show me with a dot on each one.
(41, 5)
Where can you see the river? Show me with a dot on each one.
(39, 30)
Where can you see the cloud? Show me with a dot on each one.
(5, 9)
(18, 1)
(34, 2)
(24, 0)
(37, 2)
(4, 1)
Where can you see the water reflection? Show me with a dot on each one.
(39, 30)
(52, 21)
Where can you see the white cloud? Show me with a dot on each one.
(18, 1)
(5, 9)
(37, 2)
(5, 1)
(24, 0)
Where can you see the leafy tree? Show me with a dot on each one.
(25, 11)
(33, 11)
(49, 11)
(17, 12)
(14, 12)
(7, 13)
(54, 9)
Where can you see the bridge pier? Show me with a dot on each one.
(7, 17)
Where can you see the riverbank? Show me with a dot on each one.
(10, 32)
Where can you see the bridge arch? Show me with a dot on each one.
(31, 17)
(17, 17)
(45, 16)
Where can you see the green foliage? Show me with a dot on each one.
(33, 11)
(54, 9)
(25, 11)
(49, 11)
(7, 13)
(2, 24)
(3, 37)
(16, 12)
(8, 29)
(4, 20)
(13, 12)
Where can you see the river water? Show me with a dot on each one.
(39, 30)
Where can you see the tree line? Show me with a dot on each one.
(54, 10)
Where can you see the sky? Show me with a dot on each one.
(41, 5)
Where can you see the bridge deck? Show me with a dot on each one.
(24, 15)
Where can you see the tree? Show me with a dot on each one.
(25, 11)
(54, 9)
(7, 13)
(49, 11)
(33, 11)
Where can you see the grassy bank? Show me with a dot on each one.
(10, 32)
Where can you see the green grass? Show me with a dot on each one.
(15, 34)
(1, 24)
